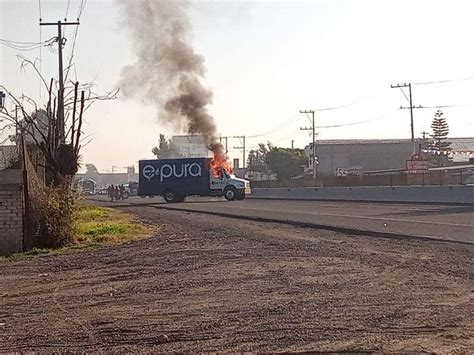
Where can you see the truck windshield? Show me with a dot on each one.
(224, 173)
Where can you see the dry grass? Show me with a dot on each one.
(95, 227)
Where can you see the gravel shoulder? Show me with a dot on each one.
(217, 284)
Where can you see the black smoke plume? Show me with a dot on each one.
(168, 72)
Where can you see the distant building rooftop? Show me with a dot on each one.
(457, 143)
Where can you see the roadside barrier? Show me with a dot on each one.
(420, 194)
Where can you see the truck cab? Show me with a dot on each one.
(229, 186)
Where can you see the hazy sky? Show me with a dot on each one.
(265, 61)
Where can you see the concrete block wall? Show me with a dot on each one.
(419, 194)
(11, 211)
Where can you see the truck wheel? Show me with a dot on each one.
(170, 196)
(230, 193)
(126, 195)
(240, 195)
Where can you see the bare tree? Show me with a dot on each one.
(60, 146)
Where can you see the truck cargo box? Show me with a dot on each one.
(189, 176)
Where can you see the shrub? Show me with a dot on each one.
(52, 210)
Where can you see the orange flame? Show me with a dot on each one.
(219, 161)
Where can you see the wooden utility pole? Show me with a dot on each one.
(2, 99)
(60, 40)
(226, 139)
(423, 142)
(410, 99)
(312, 128)
(243, 149)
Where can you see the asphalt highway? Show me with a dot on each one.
(444, 222)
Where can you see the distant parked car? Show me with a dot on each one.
(86, 187)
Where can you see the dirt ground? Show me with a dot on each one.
(216, 284)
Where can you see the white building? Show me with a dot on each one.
(190, 146)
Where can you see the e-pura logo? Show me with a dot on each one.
(167, 170)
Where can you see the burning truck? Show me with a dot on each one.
(174, 179)
(168, 74)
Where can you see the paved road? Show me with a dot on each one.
(454, 223)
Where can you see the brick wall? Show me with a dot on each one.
(11, 211)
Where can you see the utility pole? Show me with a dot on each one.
(220, 141)
(61, 42)
(243, 148)
(17, 125)
(2, 99)
(404, 85)
(292, 144)
(424, 141)
(312, 128)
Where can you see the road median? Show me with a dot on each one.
(411, 194)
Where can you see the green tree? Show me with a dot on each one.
(256, 157)
(286, 162)
(163, 150)
(439, 137)
(91, 169)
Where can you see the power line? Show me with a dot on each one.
(353, 123)
(72, 52)
(444, 81)
(20, 42)
(23, 49)
(441, 106)
(285, 138)
(60, 40)
(335, 107)
(403, 92)
(67, 9)
(276, 129)
(242, 140)
(82, 5)
(26, 47)
(65, 18)
(81, 8)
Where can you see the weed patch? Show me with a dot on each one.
(95, 227)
